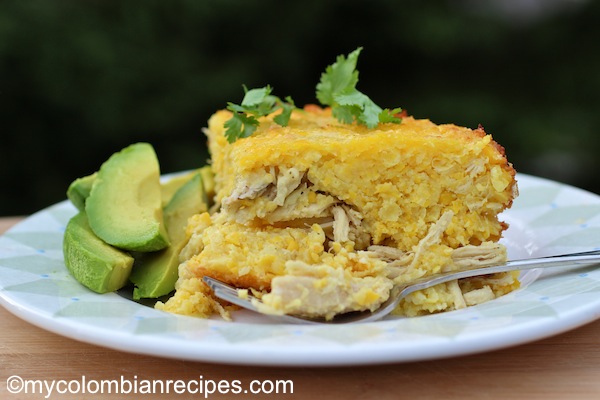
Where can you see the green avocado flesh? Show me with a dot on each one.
(189, 200)
(95, 264)
(170, 187)
(79, 190)
(155, 274)
(124, 207)
(208, 181)
(130, 226)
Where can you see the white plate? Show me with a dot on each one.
(548, 218)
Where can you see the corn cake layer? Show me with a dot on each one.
(400, 177)
(321, 217)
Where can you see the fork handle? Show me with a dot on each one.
(562, 260)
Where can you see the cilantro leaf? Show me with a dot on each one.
(337, 89)
(256, 103)
(254, 97)
(339, 77)
(287, 107)
(240, 126)
(389, 116)
(363, 109)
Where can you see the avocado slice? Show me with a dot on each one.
(124, 206)
(189, 200)
(208, 180)
(80, 189)
(170, 187)
(155, 274)
(95, 264)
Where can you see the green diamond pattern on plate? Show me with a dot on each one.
(33, 263)
(575, 215)
(244, 333)
(586, 237)
(536, 196)
(98, 309)
(159, 323)
(153, 326)
(38, 240)
(517, 308)
(62, 213)
(48, 287)
(342, 335)
(434, 327)
(560, 285)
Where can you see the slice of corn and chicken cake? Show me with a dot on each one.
(320, 217)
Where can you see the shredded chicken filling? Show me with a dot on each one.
(284, 197)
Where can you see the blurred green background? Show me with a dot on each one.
(81, 79)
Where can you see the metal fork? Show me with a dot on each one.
(398, 292)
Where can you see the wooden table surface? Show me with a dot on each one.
(566, 366)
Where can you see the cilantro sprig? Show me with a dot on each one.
(256, 103)
(337, 89)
